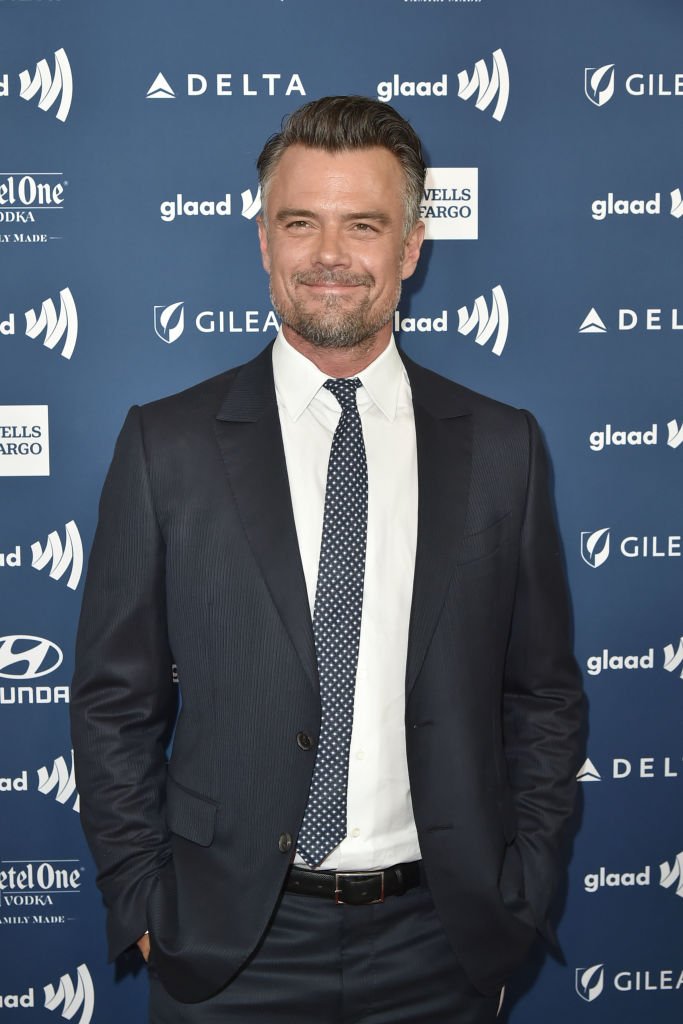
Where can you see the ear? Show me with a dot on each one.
(263, 243)
(411, 250)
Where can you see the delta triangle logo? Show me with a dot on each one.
(160, 89)
(593, 323)
(588, 772)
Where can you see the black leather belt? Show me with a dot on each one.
(354, 887)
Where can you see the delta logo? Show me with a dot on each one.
(600, 84)
(652, 318)
(591, 982)
(596, 546)
(647, 767)
(487, 83)
(652, 206)
(49, 86)
(227, 83)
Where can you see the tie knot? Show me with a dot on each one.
(344, 390)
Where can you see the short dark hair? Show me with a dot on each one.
(339, 123)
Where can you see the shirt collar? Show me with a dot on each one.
(298, 380)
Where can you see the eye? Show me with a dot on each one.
(363, 228)
(298, 224)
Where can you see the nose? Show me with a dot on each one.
(331, 249)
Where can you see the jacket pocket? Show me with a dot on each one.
(475, 547)
(190, 815)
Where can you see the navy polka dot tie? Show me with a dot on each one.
(336, 625)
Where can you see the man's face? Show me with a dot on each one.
(332, 241)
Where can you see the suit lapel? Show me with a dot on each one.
(250, 438)
(444, 455)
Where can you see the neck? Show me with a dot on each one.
(341, 362)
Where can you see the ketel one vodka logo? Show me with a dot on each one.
(51, 87)
(488, 84)
(31, 891)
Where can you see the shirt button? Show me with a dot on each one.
(284, 843)
(355, 833)
(360, 755)
(304, 741)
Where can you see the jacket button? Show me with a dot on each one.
(304, 741)
(284, 843)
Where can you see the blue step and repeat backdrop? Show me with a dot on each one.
(552, 279)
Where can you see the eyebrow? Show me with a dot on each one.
(377, 215)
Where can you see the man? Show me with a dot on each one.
(353, 563)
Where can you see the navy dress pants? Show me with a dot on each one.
(385, 963)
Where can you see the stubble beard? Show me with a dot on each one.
(334, 324)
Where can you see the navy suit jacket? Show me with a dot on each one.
(195, 562)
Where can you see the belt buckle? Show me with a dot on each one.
(354, 874)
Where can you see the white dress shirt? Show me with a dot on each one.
(381, 828)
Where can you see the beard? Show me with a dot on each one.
(333, 324)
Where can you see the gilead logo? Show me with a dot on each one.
(590, 981)
(595, 546)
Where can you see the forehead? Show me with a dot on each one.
(306, 176)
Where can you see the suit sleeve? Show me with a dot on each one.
(543, 706)
(122, 698)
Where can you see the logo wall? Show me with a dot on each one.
(491, 88)
(55, 86)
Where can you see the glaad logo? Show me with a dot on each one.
(599, 84)
(595, 547)
(605, 662)
(676, 204)
(590, 982)
(267, 83)
(60, 328)
(675, 433)
(670, 876)
(487, 323)
(28, 657)
(610, 436)
(614, 206)
(79, 998)
(169, 322)
(673, 659)
(170, 209)
(487, 86)
(451, 203)
(52, 85)
(626, 768)
(62, 779)
(59, 557)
